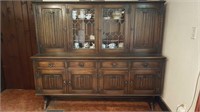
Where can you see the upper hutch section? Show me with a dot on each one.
(100, 27)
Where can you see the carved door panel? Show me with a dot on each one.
(82, 81)
(145, 82)
(51, 28)
(50, 81)
(147, 28)
(83, 23)
(113, 28)
(113, 82)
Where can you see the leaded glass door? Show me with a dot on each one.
(83, 25)
(114, 28)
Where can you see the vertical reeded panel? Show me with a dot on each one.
(51, 28)
(113, 82)
(82, 82)
(52, 81)
(145, 82)
(146, 25)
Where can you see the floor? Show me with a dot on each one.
(16, 100)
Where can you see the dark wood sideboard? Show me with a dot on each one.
(99, 49)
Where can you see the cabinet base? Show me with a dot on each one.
(152, 100)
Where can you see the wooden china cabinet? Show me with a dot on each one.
(99, 49)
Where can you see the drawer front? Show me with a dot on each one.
(114, 64)
(82, 64)
(145, 64)
(51, 64)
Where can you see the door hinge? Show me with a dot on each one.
(64, 82)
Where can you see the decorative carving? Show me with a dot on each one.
(82, 82)
(50, 81)
(146, 34)
(51, 28)
(144, 81)
(114, 82)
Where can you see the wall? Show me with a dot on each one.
(183, 53)
(18, 43)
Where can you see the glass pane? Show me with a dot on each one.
(113, 28)
(83, 28)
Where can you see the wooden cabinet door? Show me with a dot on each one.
(50, 28)
(147, 28)
(83, 24)
(82, 81)
(113, 28)
(49, 81)
(113, 82)
(145, 82)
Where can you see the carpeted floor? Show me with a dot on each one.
(25, 100)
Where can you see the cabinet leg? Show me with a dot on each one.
(46, 102)
(152, 103)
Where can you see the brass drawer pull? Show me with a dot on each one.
(114, 64)
(81, 64)
(145, 65)
(51, 65)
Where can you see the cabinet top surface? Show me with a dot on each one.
(95, 56)
(99, 1)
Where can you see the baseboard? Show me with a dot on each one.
(162, 104)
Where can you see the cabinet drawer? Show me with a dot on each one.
(114, 64)
(145, 64)
(82, 64)
(51, 64)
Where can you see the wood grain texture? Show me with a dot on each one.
(50, 24)
(18, 35)
(147, 28)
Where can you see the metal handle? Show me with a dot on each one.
(81, 64)
(69, 83)
(64, 82)
(114, 64)
(126, 82)
(145, 65)
(51, 65)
